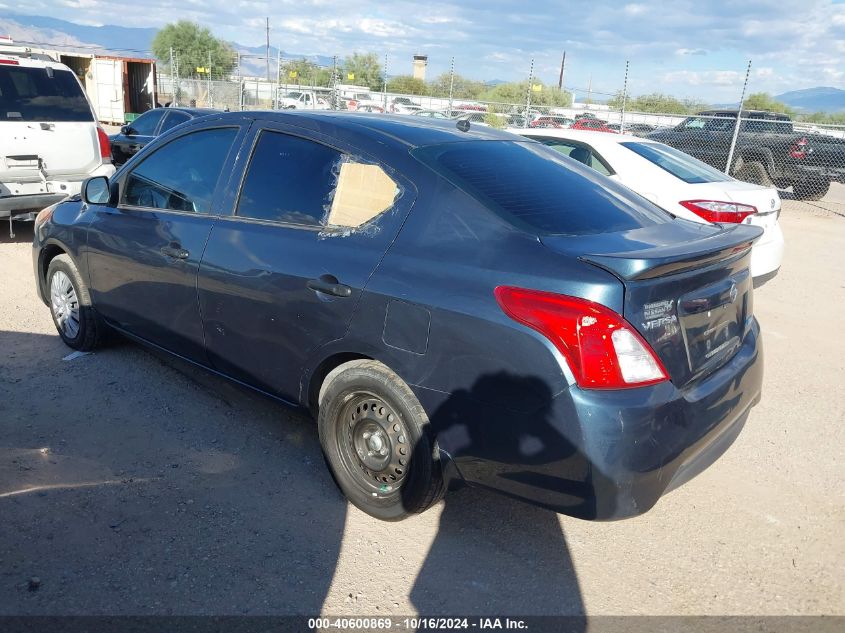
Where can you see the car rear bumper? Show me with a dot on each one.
(34, 196)
(767, 254)
(607, 455)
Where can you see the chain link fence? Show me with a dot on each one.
(805, 161)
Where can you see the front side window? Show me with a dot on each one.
(677, 163)
(41, 94)
(297, 181)
(182, 175)
(145, 125)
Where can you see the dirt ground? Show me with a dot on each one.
(133, 484)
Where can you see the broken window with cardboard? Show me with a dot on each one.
(362, 193)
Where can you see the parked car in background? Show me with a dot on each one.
(432, 114)
(50, 141)
(634, 129)
(303, 100)
(551, 121)
(342, 264)
(369, 107)
(359, 99)
(404, 105)
(135, 135)
(677, 182)
(768, 149)
(592, 124)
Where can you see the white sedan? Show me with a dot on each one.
(679, 183)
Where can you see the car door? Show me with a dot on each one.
(140, 132)
(282, 275)
(144, 251)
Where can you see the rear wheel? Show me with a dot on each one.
(753, 172)
(811, 189)
(70, 306)
(377, 441)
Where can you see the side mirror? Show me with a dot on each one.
(96, 190)
(127, 130)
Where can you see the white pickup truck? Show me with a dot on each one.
(302, 100)
(50, 141)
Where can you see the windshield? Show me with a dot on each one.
(677, 163)
(537, 189)
(293, 95)
(41, 94)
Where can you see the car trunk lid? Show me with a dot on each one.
(688, 290)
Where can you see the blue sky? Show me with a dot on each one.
(683, 47)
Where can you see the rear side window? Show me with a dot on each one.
(173, 119)
(182, 175)
(297, 181)
(145, 125)
(677, 163)
(41, 94)
(538, 190)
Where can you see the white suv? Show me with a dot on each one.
(50, 141)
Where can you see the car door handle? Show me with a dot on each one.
(175, 252)
(329, 285)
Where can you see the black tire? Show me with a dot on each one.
(811, 189)
(366, 412)
(753, 172)
(73, 315)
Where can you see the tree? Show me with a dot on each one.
(517, 92)
(462, 88)
(365, 69)
(305, 73)
(406, 84)
(764, 101)
(191, 45)
(654, 102)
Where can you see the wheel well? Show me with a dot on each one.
(323, 370)
(47, 255)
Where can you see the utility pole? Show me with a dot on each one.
(334, 83)
(738, 120)
(208, 70)
(590, 91)
(562, 66)
(267, 56)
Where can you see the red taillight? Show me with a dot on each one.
(799, 149)
(105, 144)
(715, 211)
(603, 350)
(10, 62)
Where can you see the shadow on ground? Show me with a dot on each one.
(133, 484)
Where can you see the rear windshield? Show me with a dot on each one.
(677, 163)
(41, 94)
(540, 190)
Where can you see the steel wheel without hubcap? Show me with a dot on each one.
(373, 443)
(65, 304)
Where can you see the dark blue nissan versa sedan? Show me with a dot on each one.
(450, 304)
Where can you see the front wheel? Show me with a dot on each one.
(811, 189)
(70, 306)
(377, 441)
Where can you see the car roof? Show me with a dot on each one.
(194, 112)
(585, 136)
(28, 62)
(394, 129)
